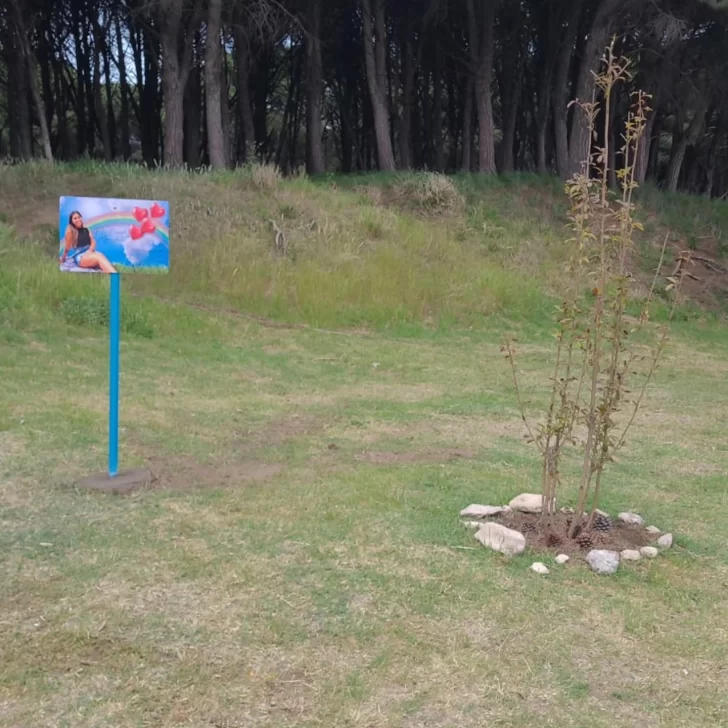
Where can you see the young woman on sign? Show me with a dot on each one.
(80, 246)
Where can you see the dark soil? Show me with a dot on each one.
(551, 535)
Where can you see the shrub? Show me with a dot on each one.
(430, 192)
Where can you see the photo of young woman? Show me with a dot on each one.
(80, 246)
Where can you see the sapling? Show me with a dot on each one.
(597, 347)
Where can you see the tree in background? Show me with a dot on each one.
(361, 84)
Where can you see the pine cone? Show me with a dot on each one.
(528, 527)
(585, 540)
(603, 524)
(553, 540)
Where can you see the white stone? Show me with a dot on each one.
(561, 559)
(567, 511)
(631, 519)
(603, 562)
(601, 513)
(649, 551)
(527, 503)
(477, 511)
(630, 555)
(474, 525)
(665, 541)
(539, 568)
(500, 538)
(653, 529)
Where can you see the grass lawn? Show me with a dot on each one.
(300, 561)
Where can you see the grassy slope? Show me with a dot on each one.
(301, 563)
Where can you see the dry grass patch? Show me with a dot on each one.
(11, 445)
(412, 457)
(183, 472)
(265, 176)
(428, 192)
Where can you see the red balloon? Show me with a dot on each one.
(157, 210)
(148, 226)
(135, 232)
(140, 214)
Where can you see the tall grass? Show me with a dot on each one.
(700, 222)
(376, 250)
(416, 258)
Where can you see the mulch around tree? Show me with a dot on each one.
(551, 535)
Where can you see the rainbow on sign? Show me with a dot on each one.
(102, 235)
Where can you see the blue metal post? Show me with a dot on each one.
(114, 327)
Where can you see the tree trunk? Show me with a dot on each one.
(81, 119)
(691, 170)
(541, 128)
(643, 150)
(110, 116)
(366, 146)
(375, 57)
(92, 123)
(176, 67)
(437, 111)
(46, 72)
(561, 89)
(654, 153)
(510, 82)
(139, 54)
(245, 123)
(294, 128)
(288, 110)
(579, 141)
(20, 121)
(481, 53)
(260, 113)
(174, 114)
(213, 91)
(346, 97)
(614, 138)
(227, 124)
(27, 71)
(193, 119)
(719, 133)
(467, 159)
(347, 133)
(315, 163)
(149, 121)
(549, 32)
(509, 124)
(124, 91)
(681, 144)
(59, 92)
(101, 116)
(44, 133)
(408, 79)
(520, 145)
(454, 121)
